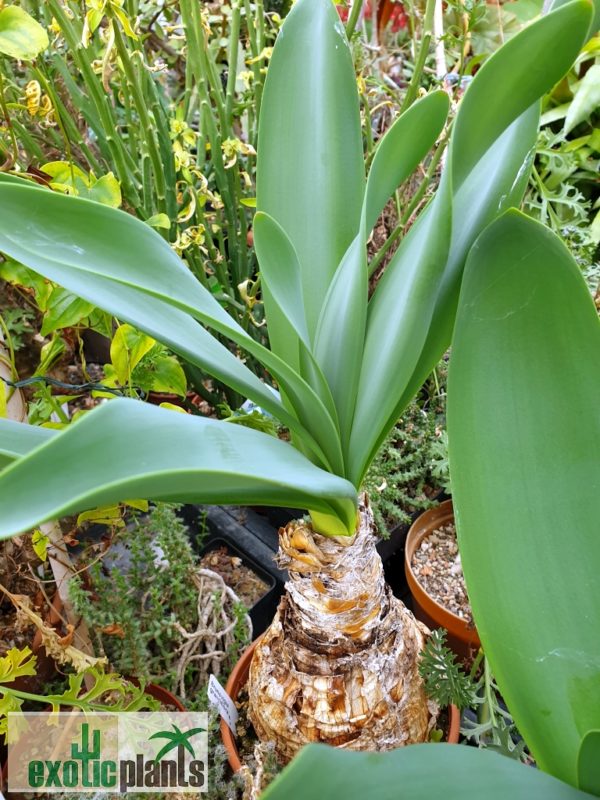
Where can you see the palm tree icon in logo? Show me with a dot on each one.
(175, 738)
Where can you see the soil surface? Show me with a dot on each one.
(437, 566)
(244, 582)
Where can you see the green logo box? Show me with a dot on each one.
(113, 752)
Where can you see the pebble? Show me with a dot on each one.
(438, 568)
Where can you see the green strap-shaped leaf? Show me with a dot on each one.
(524, 432)
(588, 763)
(490, 189)
(398, 322)
(417, 772)
(310, 169)
(594, 22)
(177, 330)
(20, 35)
(280, 272)
(487, 164)
(60, 236)
(402, 149)
(516, 76)
(280, 276)
(340, 335)
(132, 449)
(18, 439)
(283, 334)
(101, 240)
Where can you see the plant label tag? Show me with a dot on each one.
(218, 697)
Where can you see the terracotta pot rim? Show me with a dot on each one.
(422, 527)
(239, 677)
(160, 693)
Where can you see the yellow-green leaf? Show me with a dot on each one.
(16, 663)
(103, 515)
(64, 310)
(159, 221)
(106, 190)
(40, 542)
(141, 505)
(13, 272)
(125, 22)
(168, 376)
(64, 172)
(49, 354)
(70, 179)
(93, 18)
(172, 407)
(127, 348)
(20, 35)
(9, 704)
(67, 178)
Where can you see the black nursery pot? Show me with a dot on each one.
(253, 534)
(254, 539)
(261, 613)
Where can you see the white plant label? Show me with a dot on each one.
(218, 697)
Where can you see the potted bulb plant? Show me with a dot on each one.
(524, 438)
(339, 663)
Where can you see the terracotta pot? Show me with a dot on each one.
(238, 679)
(462, 637)
(163, 696)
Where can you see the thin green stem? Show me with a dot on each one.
(232, 59)
(109, 128)
(53, 699)
(368, 127)
(255, 65)
(427, 33)
(7, 118)
(48, 88)
(476, 664)
(8, 342)
(353, 17)
(147, 123)
(259, 25)
(51, 400)
(487, 707)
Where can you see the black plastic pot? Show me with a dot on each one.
(254, 534)
(252, 537)
(262, 612)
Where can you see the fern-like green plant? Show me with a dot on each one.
(445, 680)
(401, 474)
